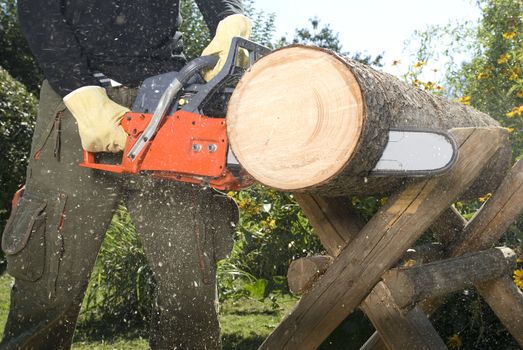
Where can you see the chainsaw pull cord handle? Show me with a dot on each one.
(187, 72)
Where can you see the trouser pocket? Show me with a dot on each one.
(23, 240)
(32, 240)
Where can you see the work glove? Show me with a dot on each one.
(98, 119)
(228, 28)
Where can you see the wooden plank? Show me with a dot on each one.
(448, 226)
(506, 300)
(496, 215)
(417, 283)
(400, 330)
(393, 229)
(334, 220)
(303, 272)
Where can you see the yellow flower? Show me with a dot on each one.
(439, 88)
(516, 111)
(518, 278)
(396, 62)
(482, 75)
(454, 342)
(510, 130)
(520, 93)
(464, 100)
(513, 76)
(509, 35)
(429, 85)
(419, 64)
(409, 263)
(503, 58)
(485, 197)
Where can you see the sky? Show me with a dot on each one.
(372, 26)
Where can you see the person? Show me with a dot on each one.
(54, 234)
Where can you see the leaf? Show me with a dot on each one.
(257, 289)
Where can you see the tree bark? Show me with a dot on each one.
(412, 285)
(303, 119)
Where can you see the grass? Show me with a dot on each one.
(245, 323)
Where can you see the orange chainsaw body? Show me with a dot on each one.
(188, 147)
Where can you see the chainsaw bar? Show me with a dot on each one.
(417, 152)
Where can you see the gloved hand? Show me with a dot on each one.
(228, 28)
(98, 119)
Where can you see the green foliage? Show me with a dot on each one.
(272, 232)
(18, 110)
(494, 77)
(196, 35)
(15, 55)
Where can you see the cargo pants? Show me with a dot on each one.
(54, 234)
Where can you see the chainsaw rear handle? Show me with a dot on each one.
(206, 91)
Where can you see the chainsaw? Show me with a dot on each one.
(176, 128)
(185, 136)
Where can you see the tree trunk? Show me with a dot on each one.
(303, 119)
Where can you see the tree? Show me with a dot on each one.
(15, 56)
(326, 38)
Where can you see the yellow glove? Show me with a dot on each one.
(98, 119)
(228, 28)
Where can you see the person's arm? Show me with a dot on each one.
(60, 56)
(214, 11)
(225, 20)
(54, 45)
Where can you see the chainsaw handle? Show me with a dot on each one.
(196, 66)
(90, 162)
(255, 52)
(188, 71)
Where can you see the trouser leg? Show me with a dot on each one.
(54, 234)
(180, 238)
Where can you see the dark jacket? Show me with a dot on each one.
(127, 40)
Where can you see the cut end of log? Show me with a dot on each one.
(296, 118)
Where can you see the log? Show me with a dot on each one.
(506, 300)
(303, 272)
(334, 220)
(394, 228)
(494, 218)
(303, 119)
(448, 226)
(400, 329)
(412, 285)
